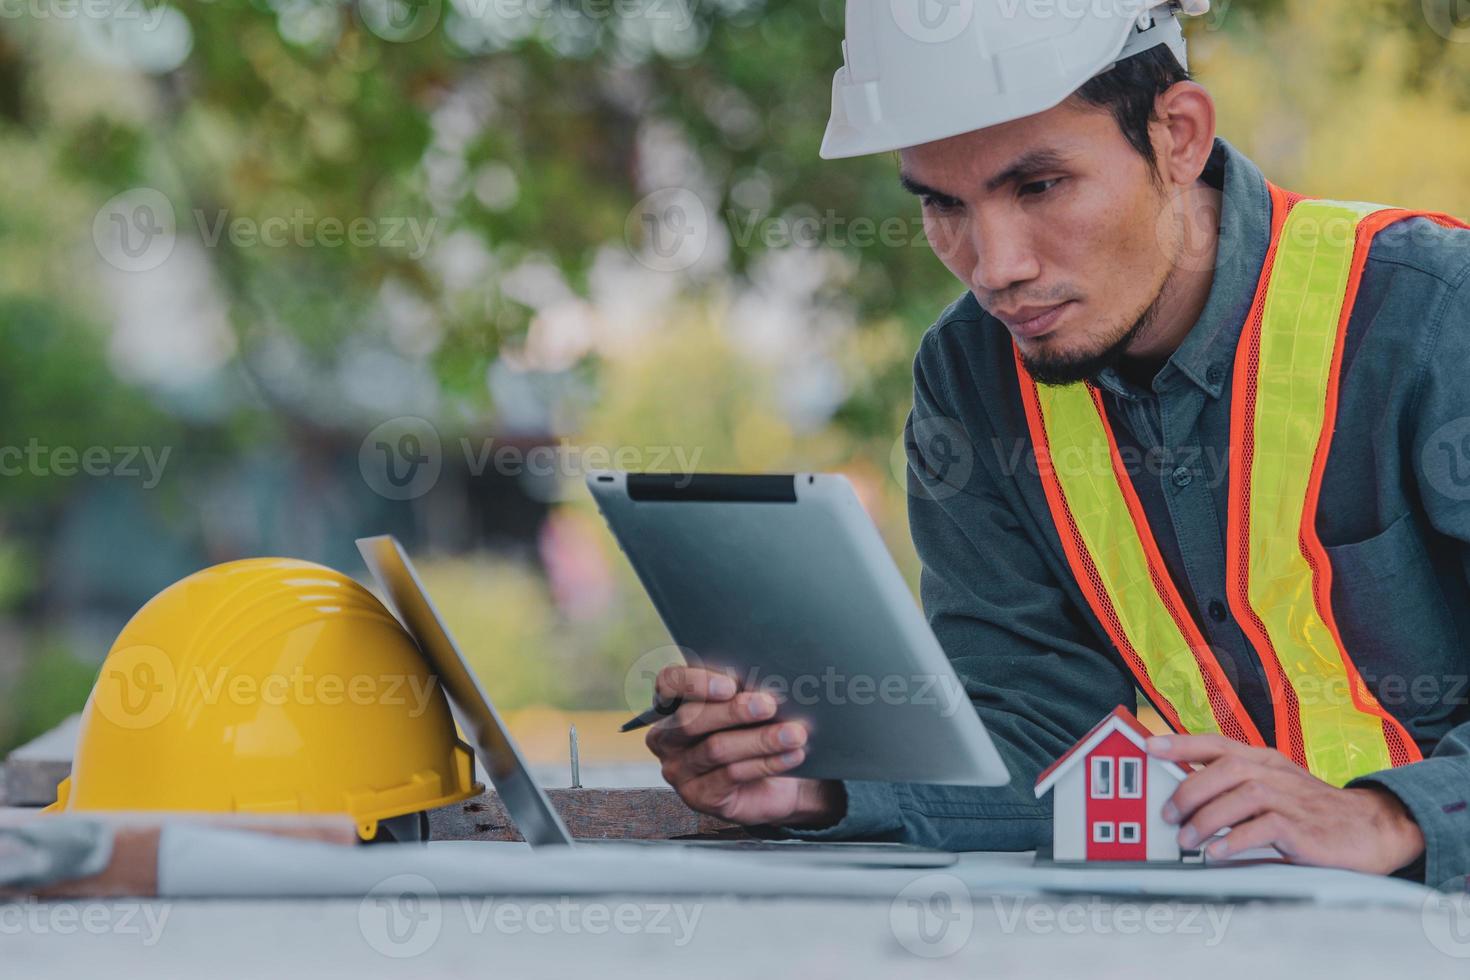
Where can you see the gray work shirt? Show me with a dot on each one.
(1394, 518)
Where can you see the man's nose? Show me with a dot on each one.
(1003, 259)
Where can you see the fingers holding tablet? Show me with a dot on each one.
(693, 684)
(710, 703)
(719, 757)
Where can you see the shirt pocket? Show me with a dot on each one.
(1396, 624)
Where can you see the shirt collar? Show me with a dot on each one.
(1208, 350)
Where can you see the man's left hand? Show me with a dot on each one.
(1268, 800)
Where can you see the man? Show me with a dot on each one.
(1185, 434)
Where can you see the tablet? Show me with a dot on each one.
(785, 582)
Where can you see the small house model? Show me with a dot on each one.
(1108, 795)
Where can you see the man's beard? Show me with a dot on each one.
(1070, 368)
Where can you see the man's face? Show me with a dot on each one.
(1053, 223)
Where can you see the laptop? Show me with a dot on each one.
(524, 799)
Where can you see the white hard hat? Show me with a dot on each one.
(915, 71)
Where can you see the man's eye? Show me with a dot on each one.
(1039, 187)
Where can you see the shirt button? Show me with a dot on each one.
(1217, 611)
(1182, 477)
(1215, 374)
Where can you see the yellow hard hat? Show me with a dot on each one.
(269, 685)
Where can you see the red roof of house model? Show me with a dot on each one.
(1121, 720)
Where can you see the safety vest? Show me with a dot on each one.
(1283, 412)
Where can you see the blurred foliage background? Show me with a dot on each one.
(246, 244)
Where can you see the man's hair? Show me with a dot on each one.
(1129, 90)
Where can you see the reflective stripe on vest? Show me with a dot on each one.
(1118, 566)
(1283, 411)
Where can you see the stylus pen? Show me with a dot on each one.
(660, 709)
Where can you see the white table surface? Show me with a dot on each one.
(641, 936)
(466, 910)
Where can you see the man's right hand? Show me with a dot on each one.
(724, 755)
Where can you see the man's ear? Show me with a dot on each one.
(1184, 132)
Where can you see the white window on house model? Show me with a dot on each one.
(1129, 833)
(1130, 779)
(1102, 777)
(1102, 832)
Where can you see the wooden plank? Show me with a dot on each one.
(650, 813)
(32, 771)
